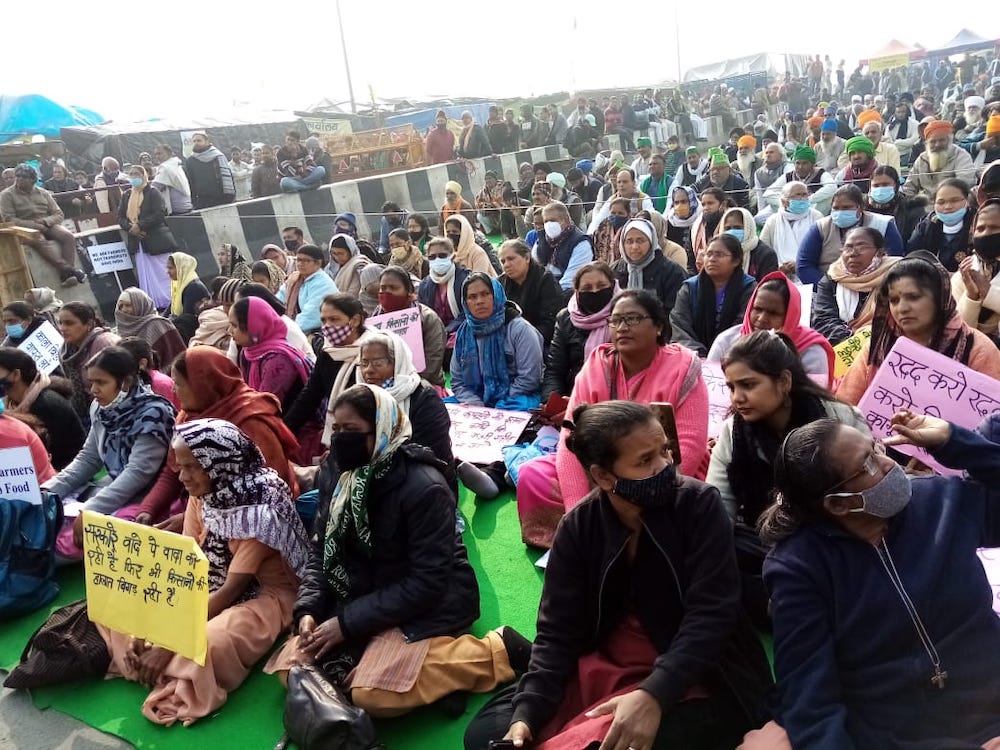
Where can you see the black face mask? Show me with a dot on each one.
(415, 236)
(291, 244)
(350, 449)
(593, 302)
(455, 239)
(987, 246)
(656, 491)
(711, 221)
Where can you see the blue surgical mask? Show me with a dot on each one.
(440, 266)
(798, 206)
(135, 181)
(15, 331)
(883, 194)
(737, 233)
(955, 217)
(844, 218)
(617, 222)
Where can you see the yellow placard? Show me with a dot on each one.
(889, 62)
(147, 583)
(845, 352)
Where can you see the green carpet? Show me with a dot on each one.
(509, 586)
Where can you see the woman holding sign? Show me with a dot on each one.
(915, 301)
(884, 633)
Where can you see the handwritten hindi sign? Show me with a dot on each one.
(478, 433)
(990, 558)
(18, 480)
(109, 257)
(43, 346)
(847, 350)
(917, 378)
(718, 396)
(405, 324)
(147, 583)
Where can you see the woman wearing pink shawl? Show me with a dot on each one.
(268, 362)
(638, 365)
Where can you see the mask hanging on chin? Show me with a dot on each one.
(656, 491)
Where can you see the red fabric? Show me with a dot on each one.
(16, 434)
(802, 336)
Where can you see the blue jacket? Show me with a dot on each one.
(850, 668)
(821, 245)
(311, 295)
(384, 228)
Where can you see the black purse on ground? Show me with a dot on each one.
(319, 717)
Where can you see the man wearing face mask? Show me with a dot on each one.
(562, 248)
(820, 183)
(439, 145)
(292, 238)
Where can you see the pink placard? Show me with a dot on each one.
(478, 433)
(919, 379)
(405, 324)
(718, 396)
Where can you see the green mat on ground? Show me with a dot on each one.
(509, 586)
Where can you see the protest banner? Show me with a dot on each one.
(990, 558)
(718, 396)
(147, 583)
(919, 379)
(109, 257)
(479, 433)
(847, 350)
(405, 324)
(43, 346)
(18, 480)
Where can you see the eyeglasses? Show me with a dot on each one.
(377, 363)
(870, 467)
(857, 249)
(718, 255)
(629, 319)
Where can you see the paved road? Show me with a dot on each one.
(24, 727)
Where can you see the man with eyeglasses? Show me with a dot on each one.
(304, 290)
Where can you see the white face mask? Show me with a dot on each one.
(116, 400)
(553, 229)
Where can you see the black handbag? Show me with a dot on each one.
(319, 717)
(159, 240)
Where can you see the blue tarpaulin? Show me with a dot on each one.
(33, 114)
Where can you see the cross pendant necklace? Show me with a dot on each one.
(940, 677)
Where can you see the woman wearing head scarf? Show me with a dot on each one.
(406, 254)
(684, 211)
(396, 292)
(776, 305)
(44, 301)
(388, 583)
(370, 277)
(472, 141)
(758, 259)
(142, 216)
(345, 253)
(642, 265)
(279, 256)
(268, 273)
(20, 321)
(498, 354)
(456, 205)
(213, 319)
(208, 384)
(84, 335)
(915, 301)
(467, 253)
(243, 518)
(347, 223)
(136, 316)
(186, 293)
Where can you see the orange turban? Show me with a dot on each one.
(869, 115)
(746, 141)
(938, 126)
(815, 121)
(993, 125)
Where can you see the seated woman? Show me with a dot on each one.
(295, 337)
(135, 315)
(885, 198)
(255, 565)
(629, 653)
(498, 354)
(19, 322)
(149, 369)
(208, 385)
(14, 433)
(419, 230)
(441, 289)
(396, 292)
(759, 259)
(268, 363)
(606, 238)
(530, 286)
(268, 273)
(129, 435)
(715, 299)
(844, 299)
(213, 319)
(682, 215)
(771, 395)
(638, 365)
(642, 265)
(388, 579)
(865, 657)
(405, 253)
(30, 391)
(776, 305)
(714, 203)
(947, 231)
(785, 229)
(344, 252)
(84, 336)
(468, 253)
(186, 293)
(824, 242)
(915, 301)
(370, 278)
(976, 286)
(581, 327)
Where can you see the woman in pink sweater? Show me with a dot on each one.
(638, 365)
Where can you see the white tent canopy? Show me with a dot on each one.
(774, 64)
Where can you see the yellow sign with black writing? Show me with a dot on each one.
(147, 583)
(847, 350)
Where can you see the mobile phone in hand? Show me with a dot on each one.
(502, 745)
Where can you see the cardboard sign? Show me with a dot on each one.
(18, 480)
(405, 324)
(478, 434)
(990, 558)
(110, 257)
(847, 350)
(147, 583)
(718, 396)
(43, 346)
(916, 378)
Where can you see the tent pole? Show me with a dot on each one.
(347, 64)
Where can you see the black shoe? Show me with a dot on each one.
(518, 649)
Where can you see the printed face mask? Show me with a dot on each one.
(336, 335)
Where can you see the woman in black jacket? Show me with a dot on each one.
(947, 230)
(473, 143)
(640, 613)
(531, 287)
(142, 215)
(642, 265)
(580, 328)
(388, 578)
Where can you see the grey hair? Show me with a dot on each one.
(787, 189)
(557, 208)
